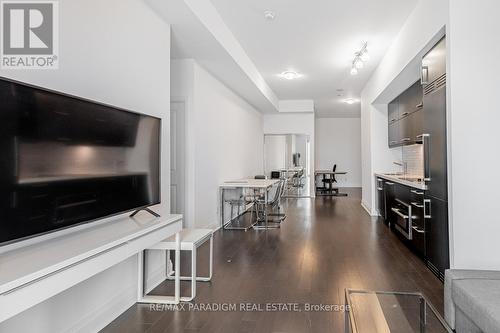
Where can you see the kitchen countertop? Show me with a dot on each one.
(401, 180)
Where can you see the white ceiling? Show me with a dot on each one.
(316, 38)
(198, 32)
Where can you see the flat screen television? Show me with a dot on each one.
(67, 160)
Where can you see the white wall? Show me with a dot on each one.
(226, 138)
(338, 141)
(474, 78)
(104, 57)
(275, 153)
(182, 89)
(294, 123)
(426, 20)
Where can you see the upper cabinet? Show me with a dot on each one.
(405, 120)
(394, 111)
(410, 100)
(434, 63)
(394, 134)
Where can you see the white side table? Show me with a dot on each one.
(186, 240)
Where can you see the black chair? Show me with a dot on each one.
(330, 180)
(275, 175)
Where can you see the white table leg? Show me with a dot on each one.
(177, 268)
(141, 298)
(193, 273)
(140, 275)
(210, 271)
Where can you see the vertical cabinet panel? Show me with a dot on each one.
(435, 126)
(436, 227)
(394, 134)
(406, 126)
(393, 111)
(416, 126)
(381, 198)
(390, 196)
(411, 128)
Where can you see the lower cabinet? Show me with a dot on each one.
(436, 226)
(422, 222)
(389, 193)
(381, 198)
(418, 221)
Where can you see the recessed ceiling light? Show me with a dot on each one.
(290, 75)
(269, 15)
(350, 101)
(354, 71)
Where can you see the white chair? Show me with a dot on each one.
(190, 240)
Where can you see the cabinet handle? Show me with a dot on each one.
(418, 106)
(420, 231)
(380, 189)
(417, 192)
(393, 120)
(427, 202)
(427, 169)
(395, 210)
(389, 183)
(405, 140)
(403, 203)
(405, 114)
(424, 76)
(416, 204)
(393, 142)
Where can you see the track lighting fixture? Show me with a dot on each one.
(360, 58)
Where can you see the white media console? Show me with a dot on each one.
(34, 273)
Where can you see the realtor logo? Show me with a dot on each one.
(29, 34)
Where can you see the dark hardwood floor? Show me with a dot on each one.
(324, 246)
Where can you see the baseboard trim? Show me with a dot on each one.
(368, 210)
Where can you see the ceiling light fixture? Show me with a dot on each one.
(269, 15)
(360, 58)
(350, 101)
(290, 75)
(365, 56)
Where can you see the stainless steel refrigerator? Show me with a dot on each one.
(435, 159)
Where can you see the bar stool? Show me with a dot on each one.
(185, 240)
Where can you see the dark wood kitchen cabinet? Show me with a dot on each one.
(394, 134)
(418, 221)
(411, 128)
(381, 198)
(405, 117)
(393, 110)
(390, 196)
(436, 227)
(410, 100)
(409, 202)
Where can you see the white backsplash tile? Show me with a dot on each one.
(414, 157)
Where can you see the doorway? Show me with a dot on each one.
(289, 155)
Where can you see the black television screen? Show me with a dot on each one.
(66, 160)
